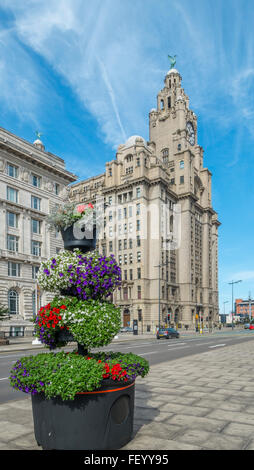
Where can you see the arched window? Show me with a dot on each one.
(13, 302)
(162, 104)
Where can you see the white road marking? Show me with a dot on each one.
(217, 345)
(4, 378)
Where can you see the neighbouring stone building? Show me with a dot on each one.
(169, 260)
(32, 181)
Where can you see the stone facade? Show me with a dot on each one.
(32, 181)
(159, 221)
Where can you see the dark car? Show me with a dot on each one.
(167, 333)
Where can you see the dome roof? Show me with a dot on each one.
(172, 71)
(38, 143)
(134, 140)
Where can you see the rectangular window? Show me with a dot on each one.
(110, 216)
(110, 231)
(130, 243)
(138, 209)
(12, 194)
(138, 193)
(12, 243)
(138, 225)
(139, 256)
(120, 259)
(125, 244)
(131, 275)
(35, 270)
(36, 226)
(13, 269)
(119, 244)
(36, 181)
(124, 212)
(139, 273)
(110, 247)
(125, 293)
(181, 164)
(138, 240)
(138, 161)
(57, 189)
(35, 248)
(12, 219)
(125, 259)
(130, 227)
(12, 170)
(35, 203)
(130, 258)
(130, 211)
(125, 274)
(139, 292)
(181, 179)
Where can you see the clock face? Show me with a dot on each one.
(190, 133)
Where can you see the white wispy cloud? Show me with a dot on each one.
(112, 54)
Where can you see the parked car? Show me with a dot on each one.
(126, 329)
(246, 326)
(251, 327)
(167, 333)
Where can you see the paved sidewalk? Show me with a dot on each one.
(199, 402)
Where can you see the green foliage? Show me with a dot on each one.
(66, 374)
(3, 312)
(93, 323)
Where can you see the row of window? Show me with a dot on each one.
(12, 244)
(125, 228)
(35, 180)
(14, 270)
(12, 221)
(12, 195)
(125, 197)
(124, 258)
(125, 293)
(124, 213)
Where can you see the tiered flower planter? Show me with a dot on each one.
(100, 414)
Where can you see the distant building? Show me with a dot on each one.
(32, 181)
(164, 172)
(244, 308)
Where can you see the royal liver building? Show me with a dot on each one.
(159, 221)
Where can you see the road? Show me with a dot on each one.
(155, 351)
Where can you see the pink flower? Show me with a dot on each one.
(81, 208)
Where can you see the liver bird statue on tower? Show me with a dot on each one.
(172, 61)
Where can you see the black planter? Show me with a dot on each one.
(85, 244)
(64, 335)
(97, 420)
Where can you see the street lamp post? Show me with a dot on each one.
(232, 283)
(159, 267)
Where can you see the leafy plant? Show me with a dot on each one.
(3, 312)
(66, 374)
(90, 276)
(93, 323)
(64, 216)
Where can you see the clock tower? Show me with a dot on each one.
(173, 136)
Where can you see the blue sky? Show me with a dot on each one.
(86, 75)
